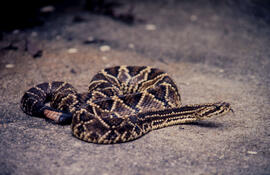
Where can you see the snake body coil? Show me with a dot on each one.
(122, 104)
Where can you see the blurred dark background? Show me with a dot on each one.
(17, 14)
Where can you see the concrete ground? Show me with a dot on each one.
(213, 51)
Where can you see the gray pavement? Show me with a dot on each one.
(213, 51)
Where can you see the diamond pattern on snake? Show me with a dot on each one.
(122, 103)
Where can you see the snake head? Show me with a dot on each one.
(223, 107)
(212, 109)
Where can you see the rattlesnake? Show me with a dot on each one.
(122, 104)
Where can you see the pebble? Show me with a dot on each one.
(105, 48)
(90, 39)
(130, 45)
(150, 27)
(72, 50)
(221, 157)
(73, 71)
(38, 54)
(9, 66)
(47, 9)
(221, 70)
(252, 152)
(193, 18)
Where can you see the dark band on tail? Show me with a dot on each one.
(34, 101)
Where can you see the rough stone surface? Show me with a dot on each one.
(222, 55)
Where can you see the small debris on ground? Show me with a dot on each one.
(130, 45)
(180, 127)
(193, 18)
(105, 48)
(92, 40)
(252, 152)
(47, 9)
(221, 70)
(150, 27)
(73, 71)
(72, 50)
(38, 54)
(9, 66)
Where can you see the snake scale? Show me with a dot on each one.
(122, 104)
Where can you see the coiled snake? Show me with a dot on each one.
(122, 104)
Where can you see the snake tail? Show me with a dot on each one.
(37, 97)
